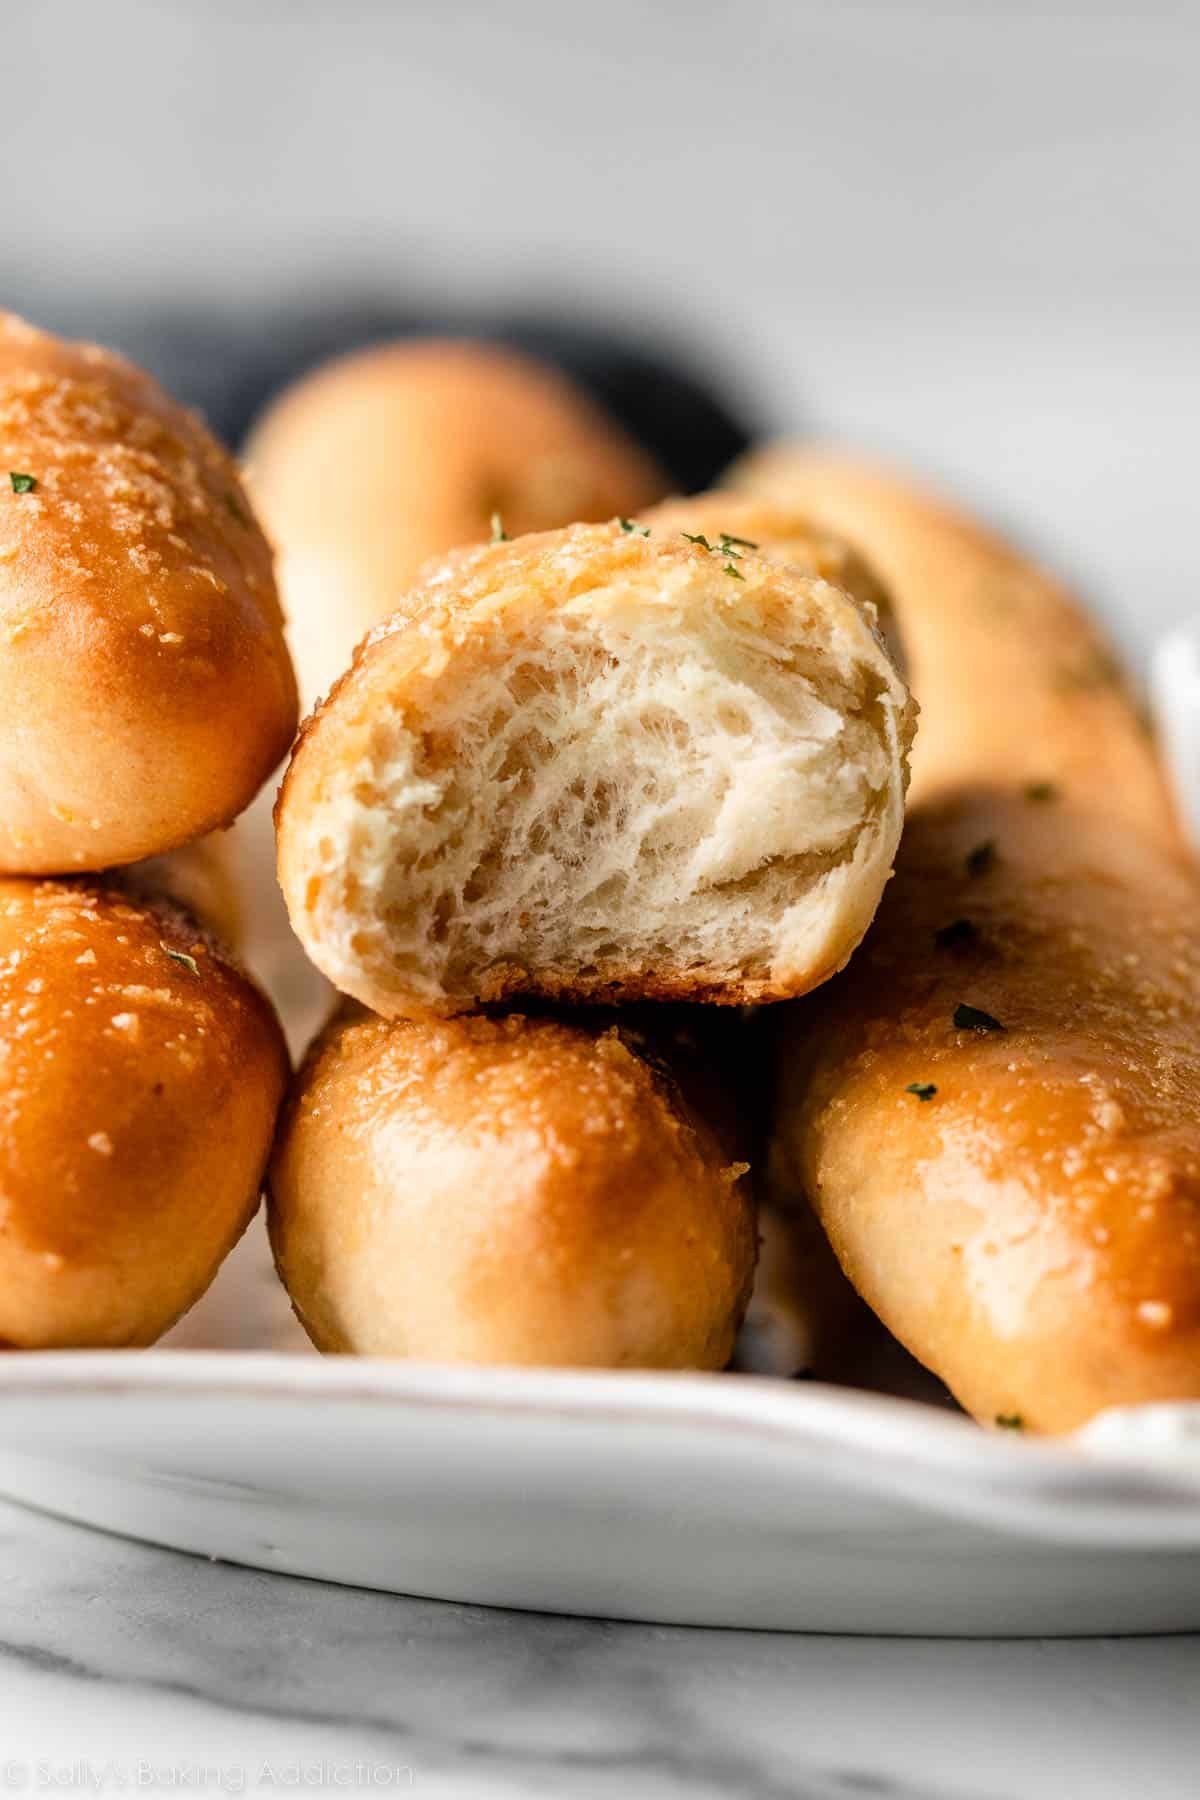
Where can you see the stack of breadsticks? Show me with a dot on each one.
(147, 694)
(663, 759)
(571, 771)
(996, 1112)
(592, 836)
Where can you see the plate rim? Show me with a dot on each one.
(1074, 1488)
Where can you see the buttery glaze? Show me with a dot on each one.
(1021, 1205)
(513, 1190)
(1030, 1228)
(147, 688)
(140, 1074)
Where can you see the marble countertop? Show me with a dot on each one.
(130, 1669)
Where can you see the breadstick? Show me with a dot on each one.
(381, 460)
(786, 536)
(598, 765)
(513, 1190)
(1016, 683)
(140, 1075)
(996, 1111)
(147, 691)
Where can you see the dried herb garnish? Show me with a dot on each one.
(1097, 668)
(634, 527)
(22, 484)
(1010, 1421)
(959, 931)
(180, 956)
(973, 1018)
(727, 547)
(924, 1090)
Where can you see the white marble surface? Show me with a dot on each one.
(124, 1668)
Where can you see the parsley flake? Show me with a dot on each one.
(1098, 668)
(980, 859)
(1010, 1421)
(959, 931)
(22, 484)
(632, 526)
(180, 956)
(924, 1090)
(728, 538)
(499, 535)
(726, 548)
(973, 1018)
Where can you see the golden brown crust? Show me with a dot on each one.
(503, 594)
(140, 1075)
(1015, 681)
(1031, 1229)
(1021, 1207)
(787, 536)
(516, 1189)
(386, 458)
(148, 692)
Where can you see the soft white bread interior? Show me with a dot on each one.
(600, 765)
(513, 1190)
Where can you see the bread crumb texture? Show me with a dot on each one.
(595, 764)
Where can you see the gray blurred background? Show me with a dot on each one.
(964, 233)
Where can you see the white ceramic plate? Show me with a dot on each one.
(718, 1500)
(707, 1499)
